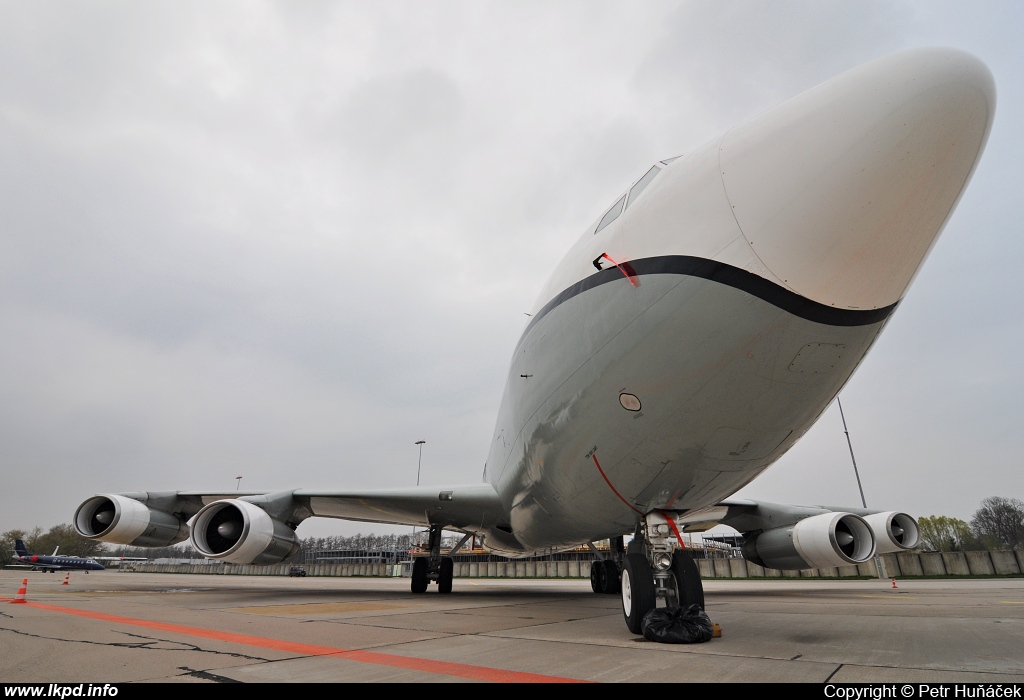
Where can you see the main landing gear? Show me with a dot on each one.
(434, 567)
(605, 571)
(654, 570)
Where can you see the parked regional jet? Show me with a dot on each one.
(693, 333)
(54, 562)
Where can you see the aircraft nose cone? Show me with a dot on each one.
(841, 191)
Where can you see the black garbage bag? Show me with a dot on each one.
(689, 625)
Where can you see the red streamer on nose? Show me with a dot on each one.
(625, 269)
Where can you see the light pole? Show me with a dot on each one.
(853, 459)
(419, 463)
(238, 482)
(879, 564)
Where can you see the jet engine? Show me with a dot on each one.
(124, 520)
(825, 540)
(240, 532)
(893, 531)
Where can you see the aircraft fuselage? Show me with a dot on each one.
(735, 297)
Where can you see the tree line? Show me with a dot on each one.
(997, 524)
(39, 542)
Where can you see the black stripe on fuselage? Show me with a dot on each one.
(730, 276)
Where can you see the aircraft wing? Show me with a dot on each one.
(464, 507)
(467, 506)
(40, 566)
(746, 515)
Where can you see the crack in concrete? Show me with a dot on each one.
(206, 675)
(146, 645)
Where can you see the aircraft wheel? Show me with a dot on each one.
(595, 576)
(688, 583)
(445, 575)
(611, 577)
(419, 575)
(637, 591)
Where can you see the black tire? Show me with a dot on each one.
(445, 575)
(637, 586)
(595, 576)
(419, 575)
(610, 580)
(688, 583)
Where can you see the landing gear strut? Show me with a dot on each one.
(434, 567)
(657, 572)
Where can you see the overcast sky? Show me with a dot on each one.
(287, 240)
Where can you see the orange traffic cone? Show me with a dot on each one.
(894, 583)
(67, 577)
(20, 598)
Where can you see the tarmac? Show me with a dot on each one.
(110, 627)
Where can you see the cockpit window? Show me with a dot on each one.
(642, 183)
(612, 214)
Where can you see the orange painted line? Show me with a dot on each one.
(445, 668)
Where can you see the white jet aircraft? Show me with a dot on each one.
(694, 332)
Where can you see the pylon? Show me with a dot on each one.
(20, 598)
(67, 577)
(894, 583)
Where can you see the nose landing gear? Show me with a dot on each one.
(657, 573)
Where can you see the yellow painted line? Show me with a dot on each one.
(885, 595)
(1012, 602)
(314, 608)
(109, 594)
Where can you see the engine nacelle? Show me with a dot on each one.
(240, 532)
(820, 541)
(894, 531)
(123, 520)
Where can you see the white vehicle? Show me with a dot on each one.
(694, 332)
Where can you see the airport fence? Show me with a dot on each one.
(901, 565)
